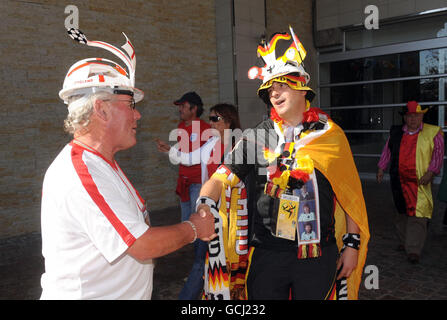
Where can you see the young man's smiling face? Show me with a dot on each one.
(290, 104)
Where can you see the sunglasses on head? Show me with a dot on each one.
(215, 118)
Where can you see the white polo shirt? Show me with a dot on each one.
(91, 214)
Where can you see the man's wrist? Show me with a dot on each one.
(351, 240)
(193, 229)
(203, 200)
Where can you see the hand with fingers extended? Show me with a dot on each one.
(347, 262)
(203, 220)
(162, 146)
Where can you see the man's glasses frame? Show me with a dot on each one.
(132, 104)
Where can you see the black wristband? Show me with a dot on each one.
(351, 240)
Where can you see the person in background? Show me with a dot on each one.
(190, 138)
(224, 122)
(415, 152)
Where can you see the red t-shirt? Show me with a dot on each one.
(190, 138)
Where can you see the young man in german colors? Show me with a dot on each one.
(297, 146)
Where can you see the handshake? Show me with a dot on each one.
(202, 223)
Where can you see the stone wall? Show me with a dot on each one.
(175, 44)
(176, 52)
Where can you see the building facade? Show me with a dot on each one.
(367, 73)
(183, 45)
(362, 76)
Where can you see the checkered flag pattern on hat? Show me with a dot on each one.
(77, 35)
(127, 55)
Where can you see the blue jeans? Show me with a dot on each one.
(194, 284)
(189, 207)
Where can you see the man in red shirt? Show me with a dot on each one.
(190, 137)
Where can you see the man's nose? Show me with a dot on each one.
(137, 114)
(274, 93)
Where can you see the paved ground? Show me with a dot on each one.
(21, 262)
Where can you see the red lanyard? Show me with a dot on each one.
(134, 193)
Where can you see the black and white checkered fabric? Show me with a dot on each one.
(77, 35)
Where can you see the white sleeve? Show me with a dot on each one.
(200, 155)
(184, 158)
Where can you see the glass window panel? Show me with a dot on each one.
(421, 90)
(383, 67)
(408, 64)
(406, 31)
(433, 61)
(367, 119)
(346, 71)
(366, 165)
(375, 118)
(367, 143)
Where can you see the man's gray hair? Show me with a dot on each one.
(80, 109)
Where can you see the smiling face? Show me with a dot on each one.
(122, 124)
(290, 104)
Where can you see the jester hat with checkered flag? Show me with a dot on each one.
(99, 74)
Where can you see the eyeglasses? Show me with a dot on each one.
(132, 103)
(215, 118)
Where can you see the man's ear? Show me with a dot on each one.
(101, 109)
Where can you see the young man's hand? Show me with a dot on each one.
(204, 222)
(348, 262)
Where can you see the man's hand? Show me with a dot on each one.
(348, 260)
(204, 222)
(426, 178)
(162, 146)
(379, 175)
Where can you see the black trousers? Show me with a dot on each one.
(276, 275)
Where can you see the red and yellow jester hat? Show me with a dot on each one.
(287, 68)
(413, 107)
